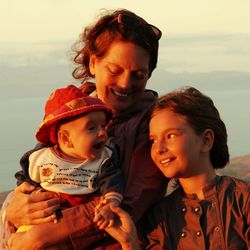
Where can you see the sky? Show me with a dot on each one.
(218, 30)
(35, 20)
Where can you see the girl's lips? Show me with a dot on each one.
(166, 160)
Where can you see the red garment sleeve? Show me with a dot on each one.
(79, 221)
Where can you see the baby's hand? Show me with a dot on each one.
(104, 217)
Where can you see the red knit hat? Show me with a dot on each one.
(64, 103)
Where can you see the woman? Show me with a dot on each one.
(120, 52)
(189, 141)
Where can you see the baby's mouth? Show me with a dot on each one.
(98, 146)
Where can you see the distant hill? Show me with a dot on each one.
(2, 197)
(164, 81)
(36, 81)
(239, 167)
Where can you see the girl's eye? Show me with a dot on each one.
(153, 141)
(171, 136)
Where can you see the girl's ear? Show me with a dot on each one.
(92, 61)
(64, 138)
(208, 140)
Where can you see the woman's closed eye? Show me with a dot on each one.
(140, 75)
(114, 70)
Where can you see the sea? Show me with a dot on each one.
(20, 118)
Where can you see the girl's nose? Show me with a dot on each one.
(161, 147)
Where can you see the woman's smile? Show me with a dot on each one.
(118, 93)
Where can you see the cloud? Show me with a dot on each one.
(185, 52)
(205, 52)
(35, 54)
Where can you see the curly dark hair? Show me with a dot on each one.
(201, 114)
(122, 25)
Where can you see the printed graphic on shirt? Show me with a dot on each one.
(74, 176)
(47, 172)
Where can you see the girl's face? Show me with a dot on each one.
(121, 75)
(86, 136)
(176, 148)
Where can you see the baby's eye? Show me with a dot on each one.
(92, 129)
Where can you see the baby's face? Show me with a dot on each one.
(87, 135)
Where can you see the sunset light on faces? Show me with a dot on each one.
(86, 136)
(176, 149)
(121, 79)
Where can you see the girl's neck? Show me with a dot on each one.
(195, 184)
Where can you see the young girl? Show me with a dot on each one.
(207, 211)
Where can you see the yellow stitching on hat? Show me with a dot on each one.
(51, 95)
(49, 117)
(77, 103)
(72, 111)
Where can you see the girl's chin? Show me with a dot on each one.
(169, 174)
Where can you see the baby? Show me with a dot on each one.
(80, 163)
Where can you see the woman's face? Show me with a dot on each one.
(121, 75)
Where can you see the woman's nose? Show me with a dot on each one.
(125, 82)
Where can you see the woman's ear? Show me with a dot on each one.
(208, 140)
(92, 61)
(64, 138)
